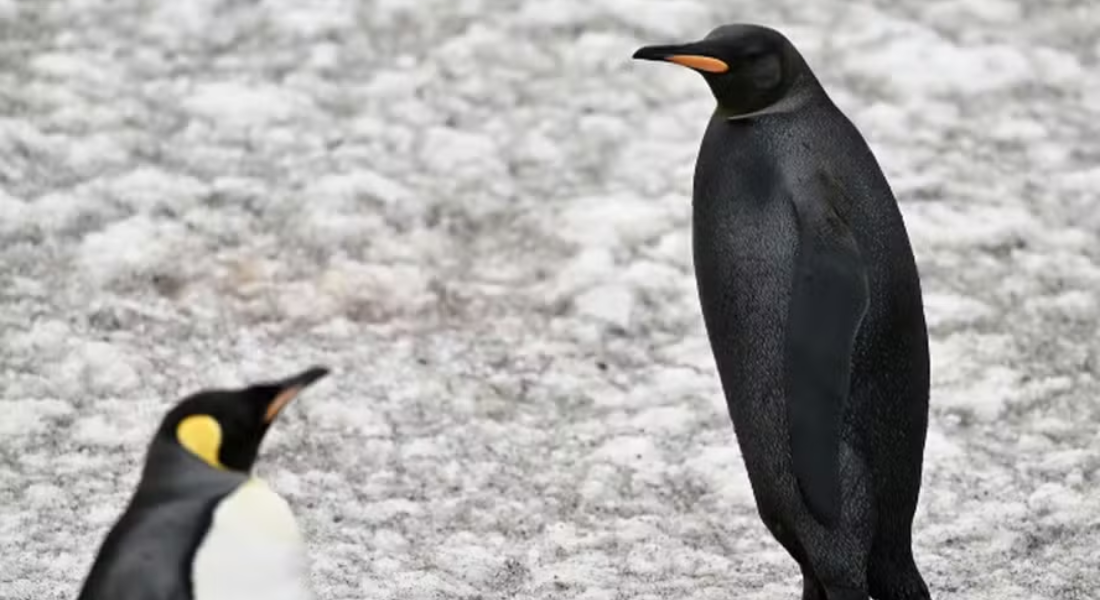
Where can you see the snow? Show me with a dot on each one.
(137, 246)
(242, 104)
(477, 213)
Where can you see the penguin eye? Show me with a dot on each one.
(753, 54)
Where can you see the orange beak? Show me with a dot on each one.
(686, 55)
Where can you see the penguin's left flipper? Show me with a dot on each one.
(829, 298)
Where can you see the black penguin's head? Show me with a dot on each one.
(748, 67)
(224, 428)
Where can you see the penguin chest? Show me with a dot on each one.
(253, 549)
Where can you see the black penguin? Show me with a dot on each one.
(199, 527)
(812, 304)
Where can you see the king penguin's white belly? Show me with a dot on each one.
(253, 550)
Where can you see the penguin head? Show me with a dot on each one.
(224, 428)
(748, 67)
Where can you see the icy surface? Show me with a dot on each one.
(476, 212)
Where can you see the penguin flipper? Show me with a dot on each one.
(829, 298)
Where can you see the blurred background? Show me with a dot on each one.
(477, 213)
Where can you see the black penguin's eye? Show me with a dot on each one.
(753, 55)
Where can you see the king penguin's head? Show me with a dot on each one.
(748, 67)
(224, 428)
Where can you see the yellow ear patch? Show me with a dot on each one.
(201, 435)
(700, 63)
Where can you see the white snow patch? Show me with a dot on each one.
(30, 417)
(468, 559)
(364, 420)
(1053, 498)
(1018, 130)
(648, 274)
(422, 448)
(612, 221)
(174, 20)
(944, 309)
(348, 208)
(682, 381)
(73, 67)
(663, 420)
(146, 189)
(564, 536)
(45, 337)
(136, 246)
(944, 225)
(237, 104)
(937, 447)
(990, 11)
(591, 568)
(629, 451)
(58, 211)
(985, 396)
(722, 469)
(392, 84)
(13, 213)
(344, 191)
(313, 19)
(1057, 67)
(588, 267)
(386, 510)
(110, 431)
(389, 541)
(460, 153)
(883, 119)
(95, 154)
(612, 303)
(376, 290)
(561, 13)
(666, 18)
(935, 66)
(44, 494)
(1075, 304)
(9, 10)
(100, 367)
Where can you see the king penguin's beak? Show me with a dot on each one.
(289, 388)
(688, 55)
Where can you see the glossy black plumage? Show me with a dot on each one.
(812, 305)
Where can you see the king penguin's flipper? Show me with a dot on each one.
(828, 301)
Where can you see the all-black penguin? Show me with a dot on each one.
(812, 305)
(199, 526)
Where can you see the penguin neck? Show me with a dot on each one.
(173, 471)
(800, 92)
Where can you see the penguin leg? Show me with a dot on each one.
(896, 578)
(839, 553)
(811, 588)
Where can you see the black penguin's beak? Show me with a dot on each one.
(289, 388)
(688, 55)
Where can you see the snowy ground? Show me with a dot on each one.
(477, 213)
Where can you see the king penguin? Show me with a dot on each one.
(812, 305)
(199, 526)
